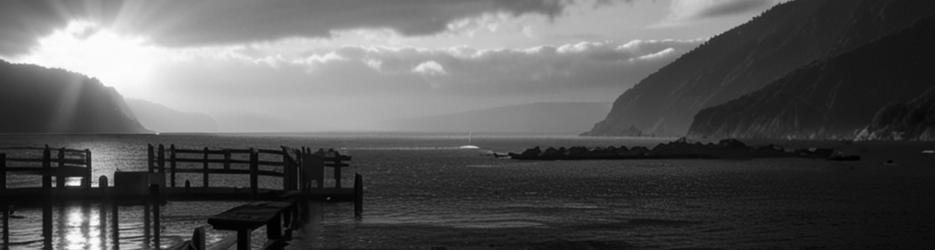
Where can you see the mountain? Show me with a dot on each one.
(538, 118)
(913, 120)
(35, 99)
(164, 119)
(837, 97)
(750, 56)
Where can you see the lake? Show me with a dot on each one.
(422, 191)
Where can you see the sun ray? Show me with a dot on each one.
(123, 62)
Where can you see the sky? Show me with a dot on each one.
(336, 65)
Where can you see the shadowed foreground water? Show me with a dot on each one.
(421, 192)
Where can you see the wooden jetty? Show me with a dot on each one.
(296, 168)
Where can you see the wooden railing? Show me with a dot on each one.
(284, 163)
(40, 161)
(174, 160)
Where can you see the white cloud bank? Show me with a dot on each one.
(364, 85)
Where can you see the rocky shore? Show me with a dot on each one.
(681, 149)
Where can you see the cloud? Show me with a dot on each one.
(218, 22)
(240, 72)
(682, 11)
(429, 68)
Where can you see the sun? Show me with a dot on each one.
(123, 62)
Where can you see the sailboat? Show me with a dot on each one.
(469, 145)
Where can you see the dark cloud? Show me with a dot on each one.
(209, 22)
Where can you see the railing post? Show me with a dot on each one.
(337, 169)
(172, 165)
(161, 159)
(204, 176)
(254, 168)
(59, 179)
(198, 238)
(46, 169)
(154, 192)
(150, 156)
(6, 224)
(358, 195)
(87, 174)
(102, 185)
(2, 172)
(287, 173)
(115, 223)
(47, 222)
(227, 159)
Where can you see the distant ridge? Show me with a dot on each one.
(160, 118)
(750, 56)
(35, 99)
(541, 118)
(838, 97)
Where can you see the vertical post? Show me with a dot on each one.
(172, 165)
(198, 238)
(114, 223)
(243, 239)
(87, 174)
(227, 159)
(6, 225)
(274, 227)
(150, 157)
(358, 195)
(254, 168)
(2, 172)
(46, 170)
(286, 173)
(59, 177)
(102, 185)
(161, 159)
(47, 223)
(154, 192)
(337, 170)
(204, 165)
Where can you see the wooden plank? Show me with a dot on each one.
(270, 163)
(270, 151)
(228, 161)
(337, 165)
(14, 159)
(230, 171)
(249, 216)
(21, 148)
(238, 151)
(57, 161)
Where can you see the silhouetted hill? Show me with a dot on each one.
(164, 119)
(540, 118)
(750, 56)
(836, 98)
(913, 120)
(35, 99)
